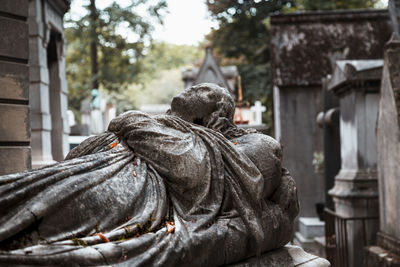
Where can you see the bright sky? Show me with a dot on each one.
(186, 23)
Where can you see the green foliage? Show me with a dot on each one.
(160, 90)
(243, 38)
(122, 34)
(164, 56)
(160, 78)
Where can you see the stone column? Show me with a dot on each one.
(356, 83)
(48, 89)
(15, 151)
(387, 253)
(39, 88)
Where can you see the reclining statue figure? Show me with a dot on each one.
(186, 188)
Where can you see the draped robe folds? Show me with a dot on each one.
(127, 183)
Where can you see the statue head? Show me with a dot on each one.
(197, 104)
(205, 104)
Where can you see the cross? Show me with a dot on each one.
(258, 109)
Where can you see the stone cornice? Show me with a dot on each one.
(60, 6)
(330, 16)
(351, 75)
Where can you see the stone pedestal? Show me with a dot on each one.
(355, 194)
(388, 147)
(310, 228)
(287, 256)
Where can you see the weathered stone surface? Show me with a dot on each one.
(226, 197)
(15, 7)
(387, 253)
(301, 137)
(48, 88)
(388, 146)
(367, 72)
(13, 38)
(14, 126)
(311, 227)
(287, 256)
(305, 46)
(14, 93)
(355, 193)
(14, 81)
(394, 11)
(377, 256)
(14, 159)
(41, 150)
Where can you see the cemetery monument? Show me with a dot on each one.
(188, 187)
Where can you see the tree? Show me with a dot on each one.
(105, 47)
(164, 56)
(160, 78)
(243, 39)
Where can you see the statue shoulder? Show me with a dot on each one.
(266, 153)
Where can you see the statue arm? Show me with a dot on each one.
(284, 206)
(173, 150)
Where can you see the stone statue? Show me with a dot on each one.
(185, 188)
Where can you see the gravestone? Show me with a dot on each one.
(15, 150)
(304, 48)
(48, 86)
(355, 193)
(258, 109)
(387, 251)
(84, 128)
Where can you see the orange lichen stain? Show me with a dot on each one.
(102, 237)
(114, 144)
(235, 143)
(170, 227)
(134, 173)
(134, 163)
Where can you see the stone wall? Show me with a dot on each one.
(15, 151)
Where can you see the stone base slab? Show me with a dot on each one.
(308, 244)
(379, 257)
(286, 256)
(311, 227)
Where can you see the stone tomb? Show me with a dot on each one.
(387, 253)
(304, 47)
(356, 83)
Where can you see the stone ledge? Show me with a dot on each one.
(379, 257)
(286, 256)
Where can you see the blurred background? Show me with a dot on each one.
(320, 76)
